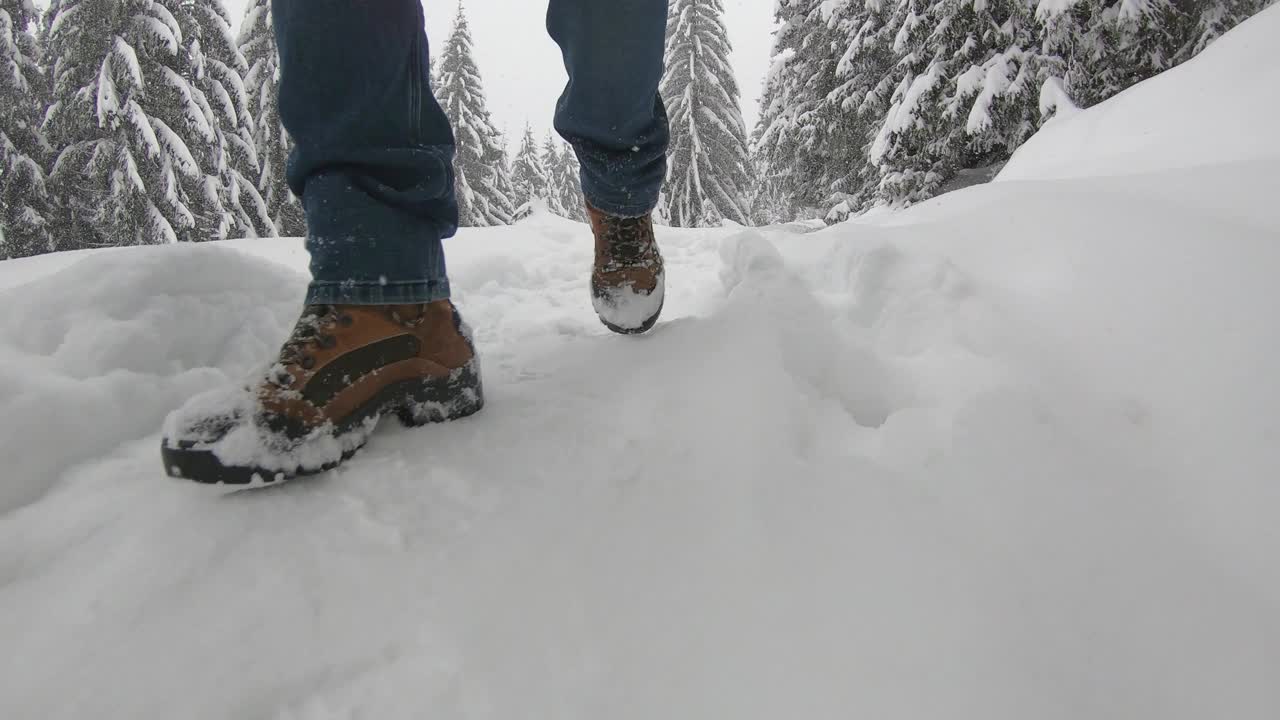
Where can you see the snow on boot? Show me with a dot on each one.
(342, 369)
(628, 283)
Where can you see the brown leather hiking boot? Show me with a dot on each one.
(628, 283)
(342, 369)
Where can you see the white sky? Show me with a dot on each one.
(521, 66)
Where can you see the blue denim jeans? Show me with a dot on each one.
(373, 151)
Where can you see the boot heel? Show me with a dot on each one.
(442, 399)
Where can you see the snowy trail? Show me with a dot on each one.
(821, 486)
(1010, 454)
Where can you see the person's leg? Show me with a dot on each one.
(373, 151)
(379, 336)
(612, 115)
(610, 111)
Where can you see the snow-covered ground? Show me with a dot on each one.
(1013, 453)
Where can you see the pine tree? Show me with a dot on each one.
(770, 202)
(709, 169)
(798, 141)
(1208, 20)
(867, 73)
(23, 198)
(529, 181)
(1098, 48)
(482, 185)
(257, 44)
(123, 120)
(969, 97)
(550, 157)
(1106, 46)
(216, 70)
(565, 194)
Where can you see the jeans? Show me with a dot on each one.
(373, 151)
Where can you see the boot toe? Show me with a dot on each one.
(626, 310)
(208, 417)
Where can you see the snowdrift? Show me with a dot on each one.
(1010, 454)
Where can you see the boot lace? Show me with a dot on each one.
(310, 331)
(628, 241)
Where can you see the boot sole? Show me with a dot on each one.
(645, 327)
(414, 402)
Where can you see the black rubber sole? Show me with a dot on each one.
(415, 403)
(644, 328)
(204, 467)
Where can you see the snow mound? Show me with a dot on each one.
(96, 353)
(1211, 110)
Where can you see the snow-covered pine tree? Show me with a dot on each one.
(855, 108)
(529, 180)
(769, 200)
(257, 44)
(565, 194)
(1211, 19)
(1101, 47)
(483, 189)
(1094, 49)
(550, 157)
(798, 144)
(216, 70)
(122, 116)
(709, 167)
(24, 208)
(969, 96)
(505, 188)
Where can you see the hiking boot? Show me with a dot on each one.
(342, 369)
(628, 283)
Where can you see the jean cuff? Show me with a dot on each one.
(400, 292)
(619, 209)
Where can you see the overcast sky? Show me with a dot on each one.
(521, 66)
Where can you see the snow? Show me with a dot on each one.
(177, 149)
(627, 308)
(1054, 99)
(124, 52)
(995, 84)
(163, 29)
(903, 114)
(108, 99)
(1048, 9)
(141, 124)
(1008, 454)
